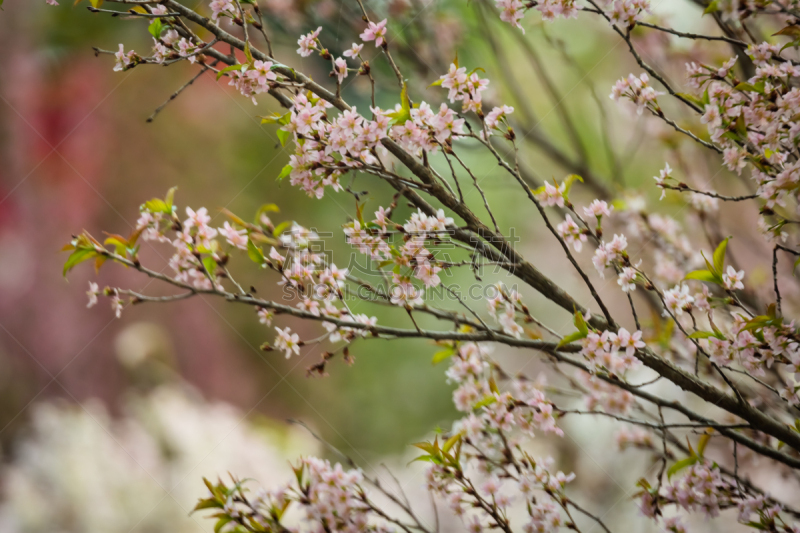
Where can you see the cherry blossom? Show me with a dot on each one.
(237, 238)
(571, 233)
(308, 43)
(340, 69)
(733, 279)
(123, 59)
(92, 293)
(552, 195)
(353, 51)
(677, 299)
(287, 341)
(375, 32)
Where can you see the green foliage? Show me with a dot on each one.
(285, 171)
(254, 253)
(714, 271)
(694, 457)
(712, 7)
(227, 69)
(445, 354)
(155, 28)
(444, 455)
(568, 182)
(404, 114)
(280, 228)
(582, 333)
(157, 205)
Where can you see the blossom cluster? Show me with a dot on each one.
(638, 90)
(464, 88)
(612, 352)
(755, 122)
(703, 489)
(493, 417)
(411, 260)
(328, 147)
(504, 308)
(253, 80)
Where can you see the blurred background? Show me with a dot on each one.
(109, 425)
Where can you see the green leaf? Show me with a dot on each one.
(209, 503)
(281, 227)
(695, 100)
(568, 183)
(791, 31)
(255, 253)
(701, 444)
(701, 335)
(222, 522)
(427, 459)
(680, 465)
(266, 208)
(488, 400)
(438, 357)
(210, 264)
(283, 136)
(116, 240)
(747, 87)
(285, 171)
(582, 333)
(400, 117)
(572, 337)
(248, 53)
(155, 28)
(437, 83)
(580, 323)
(452, 441)
(704, 275)
(169, 199)
(719, 256)
(276, 118)
(228, 69)
(157, 205)
(712, 7)
(78, 256)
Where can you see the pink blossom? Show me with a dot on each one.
(677, 299)
(375, 32)
(552, 195)
(497, 114)
(571, 233)
(627, 279)
(237, 238)
(598, 209)
(353, 51)
(265, 315)
(220, 7)
(340, 69)
(117, 305)
(733, 279)
(123, 60)
(308, 43)
(92, 293)
(287, 341)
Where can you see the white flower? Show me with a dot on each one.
(733, 279)
(287, 341)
